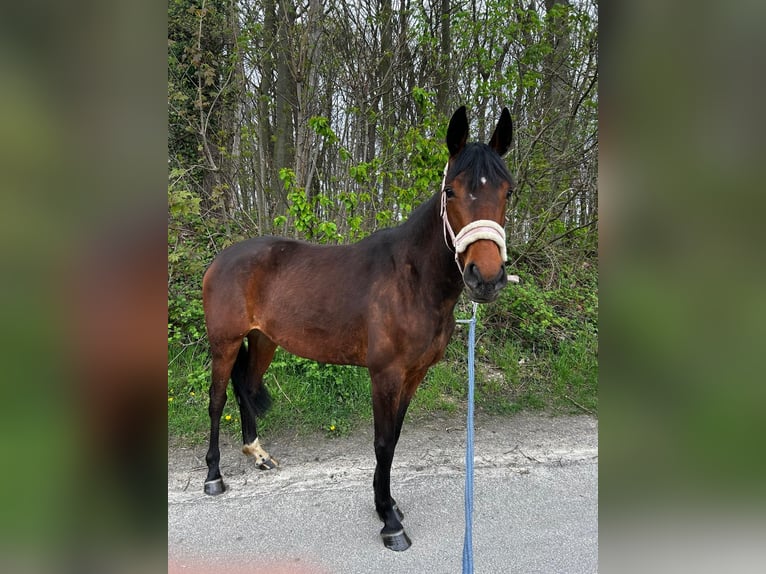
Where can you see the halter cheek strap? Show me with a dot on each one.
(474, 231)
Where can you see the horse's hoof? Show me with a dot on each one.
(396, 510)
(268, 464)
(397, 541)
(214, 487)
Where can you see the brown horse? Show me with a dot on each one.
(385, 303)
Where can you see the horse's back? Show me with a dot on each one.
(246, 252)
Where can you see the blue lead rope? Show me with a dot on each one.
(467, 540)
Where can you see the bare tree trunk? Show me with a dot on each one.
(556, 100)
(285, 98)
(238, 197)
(444, 77)
(386, 87)
(306, 93)
(211, 180)
(558, 71)
(265, 95)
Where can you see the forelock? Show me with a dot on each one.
(478, 160)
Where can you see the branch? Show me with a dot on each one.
(572, 231)
(202, 119)
(584, 94)
(549, 218)
(574, 402)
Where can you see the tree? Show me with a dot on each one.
(325, 120)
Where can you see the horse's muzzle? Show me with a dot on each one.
(481, 290)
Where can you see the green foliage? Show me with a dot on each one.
(302, 212)
(368, 166)
(542, 337)
(321, 125)
(444, 388)
(548, 306)
(186, 327)
(531, 313)
(305, 212)
(360, 173)
(317, 396)
(419, 157)
(423, 99)
(182, 203)
(574, 372)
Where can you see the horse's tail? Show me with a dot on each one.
(256, 403)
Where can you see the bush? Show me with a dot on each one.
(542, 337)
(547, 307)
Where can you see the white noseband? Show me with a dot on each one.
(481, 229)
(474, 231)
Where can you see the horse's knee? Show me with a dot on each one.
(217, 396)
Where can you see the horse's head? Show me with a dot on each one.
(475, 191)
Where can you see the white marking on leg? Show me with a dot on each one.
(261, 457)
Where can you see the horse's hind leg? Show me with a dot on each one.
(253, 396)
(223, 358)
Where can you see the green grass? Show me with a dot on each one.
(444, 387)
(306, 397)
(574, 374)
(495, 379)
(310, 397)
(515, 378)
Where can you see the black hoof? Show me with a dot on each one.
(397, 511)
(214, 487)
(397, 541)
(268, 464)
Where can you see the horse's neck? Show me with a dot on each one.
(428, 249)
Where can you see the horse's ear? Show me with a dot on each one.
(501, 139)
(457, 132)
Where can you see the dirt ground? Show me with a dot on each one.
(431, 445)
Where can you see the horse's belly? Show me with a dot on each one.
(324, 345)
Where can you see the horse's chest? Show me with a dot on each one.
(440, 340)
(431, 341)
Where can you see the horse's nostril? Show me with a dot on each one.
(471, 275)
(501, 279)
(481, 287)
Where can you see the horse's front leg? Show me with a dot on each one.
(386, 409)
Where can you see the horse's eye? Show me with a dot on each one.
(449, 192)
(509, 194)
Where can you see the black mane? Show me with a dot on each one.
(479, 160)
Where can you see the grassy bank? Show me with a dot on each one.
(309, 396)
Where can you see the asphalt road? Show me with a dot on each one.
(535, 502)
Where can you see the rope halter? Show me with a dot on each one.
(474, 231)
